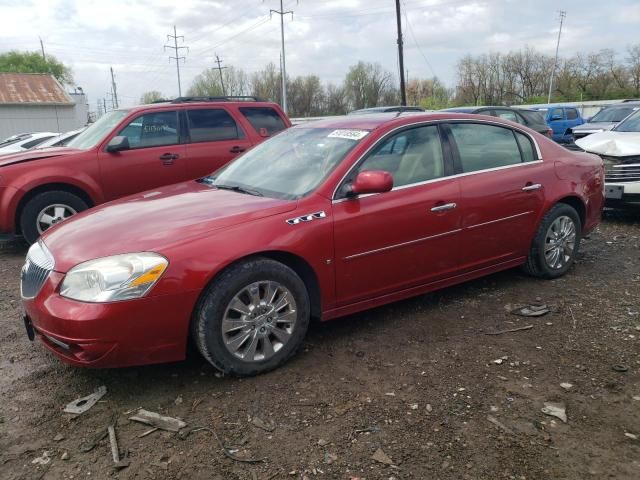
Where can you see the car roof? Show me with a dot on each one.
(371, 122)
(622, 105)
(186, 102)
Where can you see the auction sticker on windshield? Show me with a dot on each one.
(348, 134)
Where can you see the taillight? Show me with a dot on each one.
(549, 132)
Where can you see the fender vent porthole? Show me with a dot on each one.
(306, 218)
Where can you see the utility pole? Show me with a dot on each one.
(218, 61)
(563, 14)
(44, 57)
(104, 104)
(113, 89)
(282, 13)
(177, 58)
(403, 93)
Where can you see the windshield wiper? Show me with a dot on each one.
(237, 188)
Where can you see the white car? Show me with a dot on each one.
(62, 139)
(24, 141)
(620, 151)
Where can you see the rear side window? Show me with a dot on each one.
(526, 147)
(212, 125)
(533, 118)
(482, 147)
(507, 115)
(572, 114)
(557, 112)
(153, 129)
(263, 117)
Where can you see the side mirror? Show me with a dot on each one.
(371, 181)
(556, 117)
(118, 144)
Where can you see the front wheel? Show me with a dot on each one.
(47, 209)
(252, 318)
(556, 243)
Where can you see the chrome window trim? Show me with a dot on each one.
(429, 123)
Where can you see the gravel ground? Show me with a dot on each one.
(413, 390)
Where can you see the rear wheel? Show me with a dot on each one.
(252, 318)
(556, 243)
(46, 210)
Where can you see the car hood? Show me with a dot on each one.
(154, 221)
(29, 155)
(595, 126)
(615, 144)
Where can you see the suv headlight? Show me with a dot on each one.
(110, 279)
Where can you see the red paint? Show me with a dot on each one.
(366, 252)
(104, 176)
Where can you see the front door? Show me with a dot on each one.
(155, 157)
(502, 191)
(406, 237)
(214, 140)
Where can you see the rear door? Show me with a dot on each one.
(502, 191)
(557, 122)
(155, 157)
(406, 237)
(214, 139)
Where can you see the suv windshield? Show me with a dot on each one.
(615, 114)
(96, 132)
(631, 124)
(289, 165)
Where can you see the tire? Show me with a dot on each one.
(32, 212)
(224, 335)
(540, 264)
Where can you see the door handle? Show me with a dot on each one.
(444, 207)
(168, 158)
(237, 149)
(530, 187)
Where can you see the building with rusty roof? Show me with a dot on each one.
(37, 102)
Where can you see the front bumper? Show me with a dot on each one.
(622, 193)
(105, 335)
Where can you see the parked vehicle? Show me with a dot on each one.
(323, 220)
(24, 141)
(620, 151)
(531, 118)
(562, 120)
(61, 140)
(128, 151)
(395, 108)
(606, 119)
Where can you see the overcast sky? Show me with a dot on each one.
(324, 37)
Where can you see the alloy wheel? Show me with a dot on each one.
(53, 214)
(560, 242)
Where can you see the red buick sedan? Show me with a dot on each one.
(321, 221)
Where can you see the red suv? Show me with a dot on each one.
(323, 220)
(129, 151)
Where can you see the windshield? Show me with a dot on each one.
(616, 114)
(96, 132)
(631, 124)
(291, 164)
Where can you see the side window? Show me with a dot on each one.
(211, 125)
(420, 158)
(263, 117)
(556, 112)
(526, 147)
(485, 146)
(507, 115)
(572, 114)
(152, 130)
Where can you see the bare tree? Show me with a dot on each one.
(633, 66)
(150, 97)
(267, 84)
(365, 85)
(208, 83)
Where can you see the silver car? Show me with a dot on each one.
(605, 119)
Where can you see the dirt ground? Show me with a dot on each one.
(420, 380)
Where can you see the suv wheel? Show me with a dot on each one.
(556, 243)
(252, 318)
(46, 210)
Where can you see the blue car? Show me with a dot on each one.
(561, 120)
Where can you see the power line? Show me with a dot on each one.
(177, 58)
(219, 62)
(563, 14)
(415, 41)
(282, 13)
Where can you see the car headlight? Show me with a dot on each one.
(111, 279)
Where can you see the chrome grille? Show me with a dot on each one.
(622, 173)
(36, 270)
